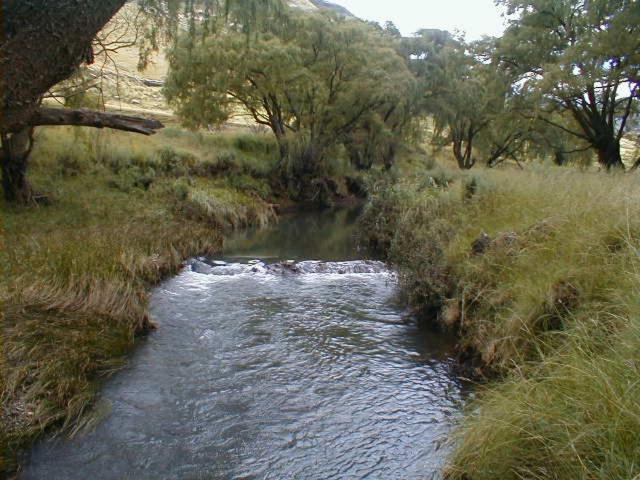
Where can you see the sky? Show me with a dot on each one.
(475, 17)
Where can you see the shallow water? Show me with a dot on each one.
(271, 373)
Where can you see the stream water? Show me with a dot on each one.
(293, 371)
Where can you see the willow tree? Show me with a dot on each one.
(313, 80)
(459, 91)
(582, 59)
(44, 43)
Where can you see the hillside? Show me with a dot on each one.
(125, 88)
(321, 4)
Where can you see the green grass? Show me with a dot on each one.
(125, 212)
(546, 306)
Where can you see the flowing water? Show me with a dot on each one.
(273, 369)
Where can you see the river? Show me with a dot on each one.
(255, 372)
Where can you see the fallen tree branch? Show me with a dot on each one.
(91, 118)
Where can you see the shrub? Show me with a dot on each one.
(255, 143)
(251, 185)
(174, 162)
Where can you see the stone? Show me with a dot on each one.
(201, 267)
(481, 244)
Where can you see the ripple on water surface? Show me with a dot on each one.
(309, 376)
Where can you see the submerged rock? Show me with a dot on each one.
(199, 266)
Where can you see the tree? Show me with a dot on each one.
(580, 58)
(460, 92)
(42, 45)
(314, 80)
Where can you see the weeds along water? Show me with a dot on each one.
(535, 270)
(537, 273)
(123, 214)
(284, 369)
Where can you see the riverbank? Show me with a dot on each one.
(121, 214)
(537, 273)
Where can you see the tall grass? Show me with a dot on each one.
(536, 271)
(124, 213)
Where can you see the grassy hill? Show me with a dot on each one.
(123, 87)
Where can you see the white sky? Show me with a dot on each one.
(475, 17)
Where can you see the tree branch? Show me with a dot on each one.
(627, 112)
(90, 118)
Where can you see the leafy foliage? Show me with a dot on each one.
(580, 59)
(314, 80)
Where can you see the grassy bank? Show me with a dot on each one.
(123, 213)
(537, 272)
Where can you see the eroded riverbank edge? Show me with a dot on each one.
(536, 273)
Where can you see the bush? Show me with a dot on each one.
(175, 163)
(255, 143)
(251, 186)
(74, 161)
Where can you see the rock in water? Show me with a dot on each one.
(201, 267)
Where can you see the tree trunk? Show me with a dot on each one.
(559, 158)
(361, 158)
(389, 156)
(42, 44)
(464, 159)
(16, 148)
(609, 155)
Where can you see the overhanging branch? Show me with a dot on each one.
(90, 118)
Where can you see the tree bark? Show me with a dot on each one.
(389, 156)
(41, 44)
(14, 157)
(16, 145)
(609, 155)
(559, 158)
(464, 159)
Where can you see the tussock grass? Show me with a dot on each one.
(76, 272)
(575, 416)
(537, 272)
(224, 208)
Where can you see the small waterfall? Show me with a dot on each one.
(206, 266)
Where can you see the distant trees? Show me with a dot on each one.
(318, 81)
(578, 59)
(562, 80)
(468, 99)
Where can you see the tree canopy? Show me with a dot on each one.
(579, 58)
(563, 78)
(313, 79)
